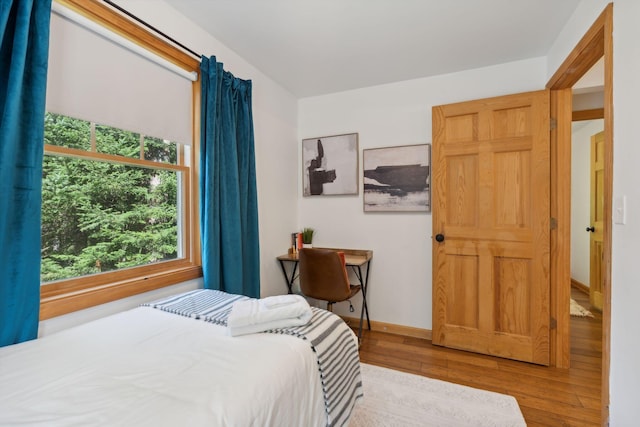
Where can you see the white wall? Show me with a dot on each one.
(391, 115)
(55, 324)
(581, 196)
(625, 344)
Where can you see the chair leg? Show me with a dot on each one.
(330, 306)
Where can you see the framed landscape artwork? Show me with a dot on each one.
(330, 165)
(397, 179)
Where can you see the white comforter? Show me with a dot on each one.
(146, 367)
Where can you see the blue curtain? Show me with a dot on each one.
(24, 51)
(228, 199)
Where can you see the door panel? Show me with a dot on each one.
(462, 210)
(597, 211)
(491, 177)
(461, 296)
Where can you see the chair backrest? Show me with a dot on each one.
(323, 275)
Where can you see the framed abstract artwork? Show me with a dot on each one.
(330, 165)
(397, 179)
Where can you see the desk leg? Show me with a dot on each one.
(365, 310)
(288, 279)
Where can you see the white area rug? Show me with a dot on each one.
(394, 398)
(578, 310)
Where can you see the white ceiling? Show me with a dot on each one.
(314, 47)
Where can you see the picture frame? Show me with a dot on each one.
(397, 179)
(330, 165)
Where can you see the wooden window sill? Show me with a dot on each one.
(68, 302)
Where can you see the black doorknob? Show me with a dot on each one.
(591, 229)
(439, 237)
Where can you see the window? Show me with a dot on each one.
(118, 205)
(105, 214)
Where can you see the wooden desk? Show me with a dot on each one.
(356, 259)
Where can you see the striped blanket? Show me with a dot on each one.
(329, 337)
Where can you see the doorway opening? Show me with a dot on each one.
(587, 196)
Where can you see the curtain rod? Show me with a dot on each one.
(151, 27)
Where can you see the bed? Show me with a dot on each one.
(173, 363)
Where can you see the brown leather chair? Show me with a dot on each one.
(323, 276)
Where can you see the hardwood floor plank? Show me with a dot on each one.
(539, 418)
(558, 409)
(522, 384)
(590, 402)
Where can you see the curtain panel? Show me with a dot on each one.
(228, 196)
(24, 51)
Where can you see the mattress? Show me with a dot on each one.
(147, 367)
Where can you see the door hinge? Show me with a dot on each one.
(553, 123)
(553, 223)
(553, 323)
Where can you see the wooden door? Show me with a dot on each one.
(491, 183)
(597, 225)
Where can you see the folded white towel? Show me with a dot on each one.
(257, 315)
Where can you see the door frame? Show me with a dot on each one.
(595, 44)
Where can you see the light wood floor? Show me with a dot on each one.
(547, 396)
